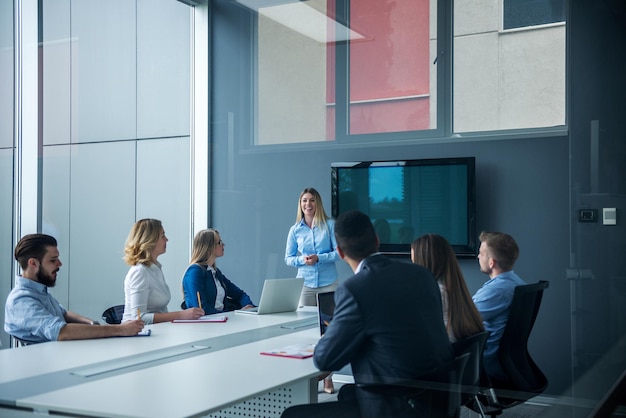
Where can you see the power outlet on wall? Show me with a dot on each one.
(587, 215)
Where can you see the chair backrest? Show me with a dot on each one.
(441, 389)
(474, 346)
(457, 374)
(524, 374)
(113, 315)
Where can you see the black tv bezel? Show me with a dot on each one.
(468, 250)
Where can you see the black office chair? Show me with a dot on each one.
(441, 388)
(113, 315)
(525, 379)
(474, 346)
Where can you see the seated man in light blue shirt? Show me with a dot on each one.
(33, 315)
(497, 255)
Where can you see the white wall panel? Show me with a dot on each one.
(163, 68)
(55, 210)
(6, 69)
(56, 56)
(163, 190)
(102, 211)
(6, 232)
(476, 16)
(104, 65)
(532, 78)
(476, 76)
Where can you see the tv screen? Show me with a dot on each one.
(408, 198)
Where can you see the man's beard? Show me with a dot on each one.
(45, 278)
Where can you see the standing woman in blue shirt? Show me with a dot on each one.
(312, 248)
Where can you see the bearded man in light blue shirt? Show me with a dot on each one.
(33, 315)
(496, 257)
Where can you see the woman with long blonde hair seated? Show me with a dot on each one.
(146, 293)
(204, 284)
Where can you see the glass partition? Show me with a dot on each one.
(6, 153)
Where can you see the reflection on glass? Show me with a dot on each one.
(295, 73)
(391, 79)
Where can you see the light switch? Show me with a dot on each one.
(609, 216)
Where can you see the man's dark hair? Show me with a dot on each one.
(33, 246)
(355, 235)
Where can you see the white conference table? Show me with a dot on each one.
(181, 370)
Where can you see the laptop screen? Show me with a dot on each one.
(278, 295)
(325, 309)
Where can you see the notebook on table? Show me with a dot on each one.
(325, 309)
(278, 295)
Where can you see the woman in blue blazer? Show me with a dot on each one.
(204, 283)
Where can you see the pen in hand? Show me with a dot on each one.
(138, 315)
(199, 301)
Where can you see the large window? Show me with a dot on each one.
(342, 70)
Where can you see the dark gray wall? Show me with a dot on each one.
(523, 185)
(597, 64)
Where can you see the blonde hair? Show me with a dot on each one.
(204, 244)
(142, 239)
(320, 216)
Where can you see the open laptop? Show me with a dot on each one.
(278, 295)
(325, 309)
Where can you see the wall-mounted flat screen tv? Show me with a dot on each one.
(408, 198)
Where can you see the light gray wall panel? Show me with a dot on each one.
(476, 92)
(163, 188)
(6, 69)
(475, 16)
(56, 210)
(104, 63)
(102, 210)
(163, 68)
(6, 233)
(56, 55)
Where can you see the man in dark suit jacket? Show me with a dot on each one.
(387, 325)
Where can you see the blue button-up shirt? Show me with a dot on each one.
(493, 300)
(318, 240)
(31, 313)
